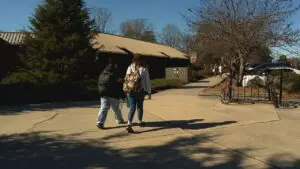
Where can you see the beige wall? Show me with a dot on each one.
(181, 73)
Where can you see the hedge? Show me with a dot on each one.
(87, 90)
(27, 93)
(163, 84)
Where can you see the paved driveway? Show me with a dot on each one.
(183, 130)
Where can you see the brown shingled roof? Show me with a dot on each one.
(114, 44)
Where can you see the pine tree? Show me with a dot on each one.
(59, 48)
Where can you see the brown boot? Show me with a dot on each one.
(129, 129)
(100, 126)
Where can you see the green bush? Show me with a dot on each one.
(30, 93)
(87, 87)
(291, 82)
(19, 77)
(33, 77)
(161, 84)
(198, 75)
(201, 74)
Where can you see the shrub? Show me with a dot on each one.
(29, 93)
(161, 84)
(197, 75)
(202, 74)
(33, 77)
(19, 77)
(174, 83)
(291, 82)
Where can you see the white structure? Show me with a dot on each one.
(260, 79)
(286, 68)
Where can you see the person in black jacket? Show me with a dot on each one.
(111, 91)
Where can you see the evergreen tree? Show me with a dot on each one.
(148, 36)
(59, 48)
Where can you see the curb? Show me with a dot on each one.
(204, 93)
(217, 84)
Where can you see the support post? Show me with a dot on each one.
(245, 92)
(281, 80)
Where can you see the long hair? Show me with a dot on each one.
(136, 59)
(139, 61)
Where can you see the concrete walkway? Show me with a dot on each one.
(183, 130)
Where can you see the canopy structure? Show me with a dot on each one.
(266, 67)
(256, 71)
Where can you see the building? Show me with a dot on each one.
(9, 59)
(163, 61)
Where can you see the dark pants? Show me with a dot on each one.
(136, 100)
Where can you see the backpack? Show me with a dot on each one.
(132, 82)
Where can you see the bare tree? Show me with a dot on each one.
(102, 18)
(172, 36)
(243, 26)
(187, 42)
(138, 29)
(295, 62)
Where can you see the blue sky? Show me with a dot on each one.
(14, 13)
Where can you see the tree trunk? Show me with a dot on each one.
(241, 68)
(241, 72)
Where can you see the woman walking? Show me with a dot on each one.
(136, 85)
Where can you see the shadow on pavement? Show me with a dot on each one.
(14, 110)
(36, 151)
(184, 124)
(203, 81)
(194, 87)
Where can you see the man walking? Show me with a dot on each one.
(220, 70)
(110, 90)
(215, 70)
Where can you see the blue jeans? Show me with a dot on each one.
(136, 100)
(106, 102)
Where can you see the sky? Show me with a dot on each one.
(14, 14)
